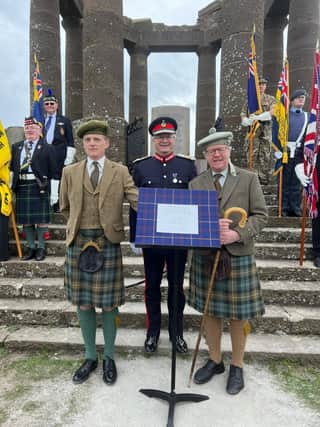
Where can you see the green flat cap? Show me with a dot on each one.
(216, 138)
(93, 126)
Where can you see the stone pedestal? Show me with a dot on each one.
(138, 97)
(234, 66)
(273, 50)
(206, 92)
(45, 43)
(73, 103)
(303, 33)
(15, 134)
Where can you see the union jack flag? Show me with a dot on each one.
(280, 124)
(37, 106)
(312, 141)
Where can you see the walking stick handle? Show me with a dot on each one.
(242, 222)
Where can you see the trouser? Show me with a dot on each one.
(261, 153)
(4, 246)
(154, 262)
(291, 193)
(316, 234)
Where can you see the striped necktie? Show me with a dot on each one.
(94, 177)
(216, 182)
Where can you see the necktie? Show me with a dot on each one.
(94, 178)
(48, 124)
(216, 182)
(27, 159)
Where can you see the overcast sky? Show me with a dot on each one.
(172, 77)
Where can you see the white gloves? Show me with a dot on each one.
(54, 193)
(135, 250)
(263, 117)
(245, 121)
(71, 151)
(304, 179)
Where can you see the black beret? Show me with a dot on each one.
(297, 93)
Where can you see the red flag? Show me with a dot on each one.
(312, 141)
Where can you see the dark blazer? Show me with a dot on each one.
(43, 163)
(62, 138)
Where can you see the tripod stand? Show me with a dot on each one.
(172, 397)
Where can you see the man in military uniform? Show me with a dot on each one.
(91, 198)
(262, 141)
(33, 166)
(291, 187)
(237, 294)
(58, 133)
(163, 170)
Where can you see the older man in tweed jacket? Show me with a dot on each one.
(237, 296)
(91, 197)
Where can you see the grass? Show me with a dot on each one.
(300, 378)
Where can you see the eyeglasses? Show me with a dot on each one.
(49, 103)
(162, 137)
(213, 151)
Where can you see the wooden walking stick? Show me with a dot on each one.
(303, 228)
(16, 235)
(242, 223)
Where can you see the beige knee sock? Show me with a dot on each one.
(213, 332)
(238, 340)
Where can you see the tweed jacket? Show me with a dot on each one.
(241, 189)
(116, 185)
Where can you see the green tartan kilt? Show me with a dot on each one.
(105, 288)
(238, 297)
(31, 207)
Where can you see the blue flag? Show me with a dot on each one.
(37, 106)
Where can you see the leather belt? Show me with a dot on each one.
(27, 176)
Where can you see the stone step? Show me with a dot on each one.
(133, 267)
(285, 292)
(258, 347)
(287, 319)
(268, 234)
(263, 250)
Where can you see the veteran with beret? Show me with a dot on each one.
(236, 293)
(262, 141)
(164, 169)
(91, 198)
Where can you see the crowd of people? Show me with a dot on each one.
(90, 195)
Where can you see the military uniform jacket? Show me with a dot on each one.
(173, 171)
(116, 185)
(267, 102)
(241, 189)
(43, 163)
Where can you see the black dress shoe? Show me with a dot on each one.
(316, 261)
(82, 373)
(29, 255)
(181, 345)
(297, 213)
(235, 380)
(211, 368)
(40, 254)
(109, 371)
(151, 344)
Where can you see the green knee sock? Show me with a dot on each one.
(29, 232)
(40, 232)
(109, 332)
(88, 325)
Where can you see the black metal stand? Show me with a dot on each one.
(172, 397)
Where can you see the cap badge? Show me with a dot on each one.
(163, 124)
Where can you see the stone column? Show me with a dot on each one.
(206, 92)
(238, 20)
(73, 98)
(138, 96)
(45, 43)
(303, 32)
(103, 69)
(273, 50)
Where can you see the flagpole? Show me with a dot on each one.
(303, 228)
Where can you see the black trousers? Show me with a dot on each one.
(4, 239)
(291, 194)
(154, 261)
(316, 234)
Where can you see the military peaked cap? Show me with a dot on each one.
(163, 125)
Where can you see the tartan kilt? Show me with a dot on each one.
(104, 288)
(31, 207)
(237, 297)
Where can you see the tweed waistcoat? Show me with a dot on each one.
(90, 206)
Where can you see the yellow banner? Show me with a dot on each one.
(5, 156)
